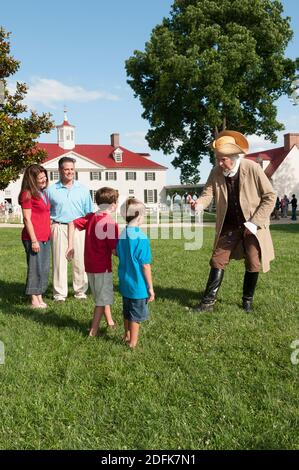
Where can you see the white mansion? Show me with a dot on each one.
(133, 174)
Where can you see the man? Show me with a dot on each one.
(285, 206)
(294, 207)
(244, 201)
(69, 201)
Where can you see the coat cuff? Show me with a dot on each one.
(252, 227)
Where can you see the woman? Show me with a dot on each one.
(36, 232)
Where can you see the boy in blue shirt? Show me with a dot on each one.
(134, 270)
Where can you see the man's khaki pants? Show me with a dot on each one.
(60, 263)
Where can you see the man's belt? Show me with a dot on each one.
(60, 223)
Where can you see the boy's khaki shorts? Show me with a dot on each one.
(101, 286)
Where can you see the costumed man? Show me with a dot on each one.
(244, 200)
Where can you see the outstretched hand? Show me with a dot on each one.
(192, 203)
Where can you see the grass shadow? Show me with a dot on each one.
(12, 295)
(184, 297)
(107, 336)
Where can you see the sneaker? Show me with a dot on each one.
(59, 299)
(80, 296)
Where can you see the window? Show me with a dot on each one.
(150, 196)
(150, 176)
(111, 175)
(131, 192)
(95, 176)
(92, 193)
(130, 175)
(118, 155)
(54, 175)
(61, 134)
(76, 175)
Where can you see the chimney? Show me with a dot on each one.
(114, 140)
(290, 140)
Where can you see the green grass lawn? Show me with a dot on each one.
(196, 381)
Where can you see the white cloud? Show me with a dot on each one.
(50, 92)
(259, 143)
(137, 138)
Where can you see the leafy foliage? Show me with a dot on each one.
(17, 134)
(212, 65)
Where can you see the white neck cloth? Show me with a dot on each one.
(234, 169)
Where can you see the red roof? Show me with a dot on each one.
(102, 155)
(65, 123)
(275, 156)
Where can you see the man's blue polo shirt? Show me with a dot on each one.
(68, 204)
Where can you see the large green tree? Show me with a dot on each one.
(212, 65)
(18, 133)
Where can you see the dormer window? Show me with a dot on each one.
(118, 155)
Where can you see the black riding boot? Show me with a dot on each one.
(250, 280)
(209, 297)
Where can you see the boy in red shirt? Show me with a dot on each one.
(100, 242)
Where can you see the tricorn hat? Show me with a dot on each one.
(230, 143)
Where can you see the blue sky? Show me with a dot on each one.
(73, 52)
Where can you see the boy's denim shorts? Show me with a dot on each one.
(135, 310)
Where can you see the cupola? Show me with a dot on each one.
(66, 134)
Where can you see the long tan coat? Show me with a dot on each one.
(257, 200)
